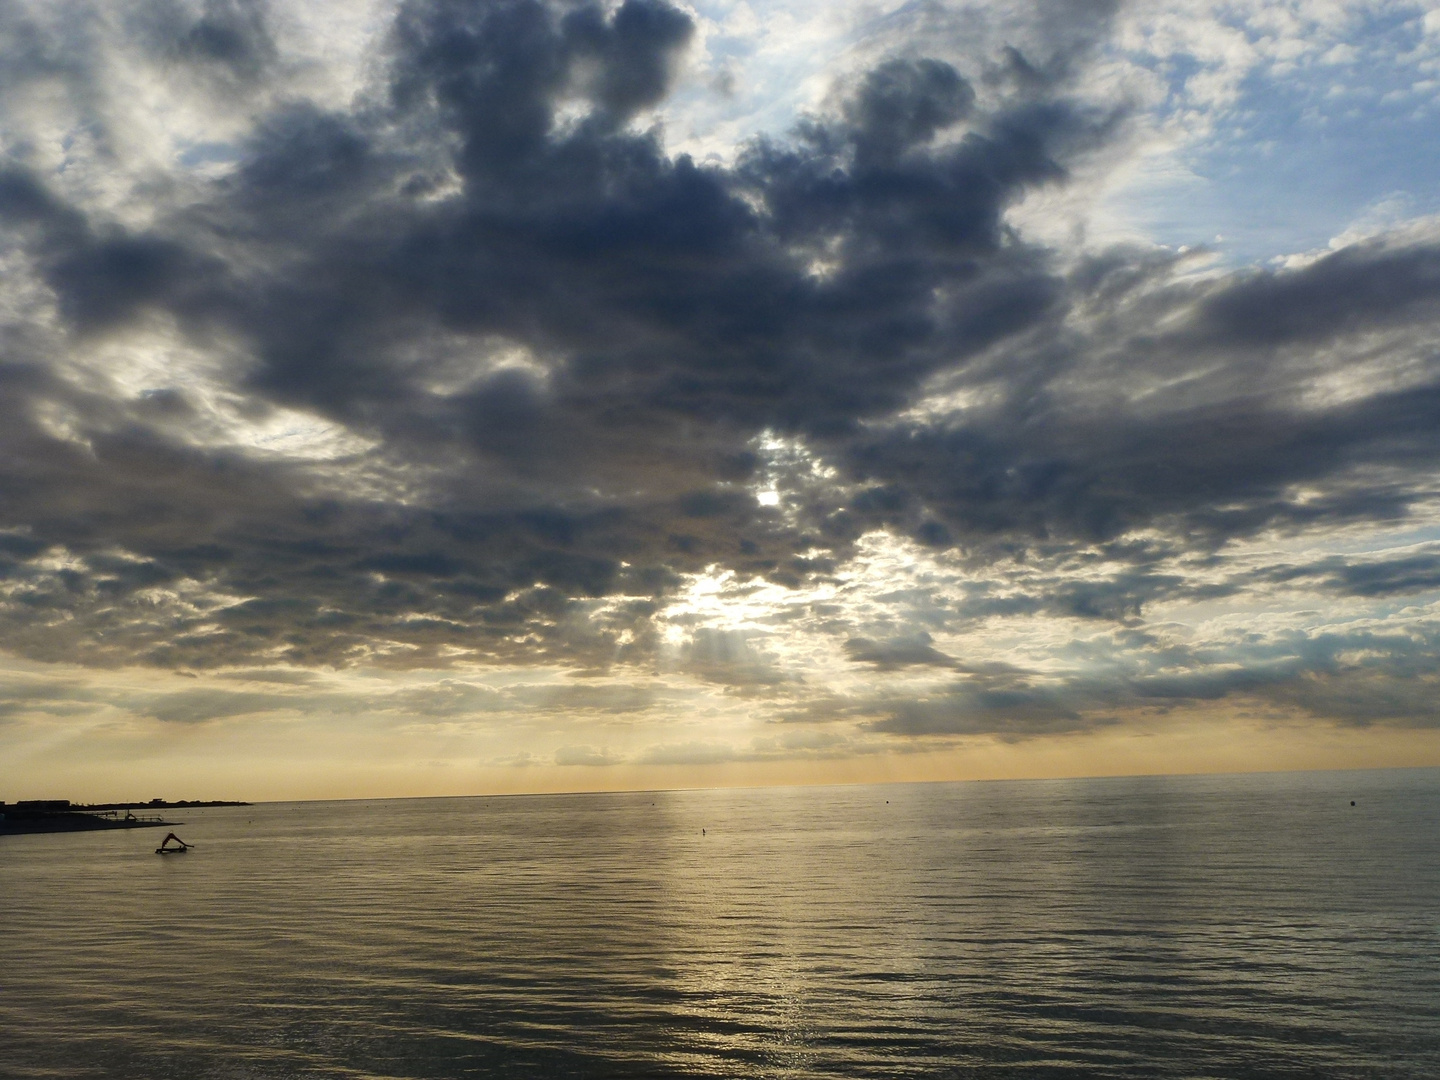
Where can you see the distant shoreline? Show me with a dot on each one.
(157, 804)
(71, 821)
(62, 816)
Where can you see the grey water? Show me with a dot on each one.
(1217, 926)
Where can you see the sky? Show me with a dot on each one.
(460, 396)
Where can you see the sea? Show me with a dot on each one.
(1278, 925)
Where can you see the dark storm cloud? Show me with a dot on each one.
(1355, 288)
(1055, 458)
(656, 288)
(564, 350)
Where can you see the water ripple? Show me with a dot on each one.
(1178, 927)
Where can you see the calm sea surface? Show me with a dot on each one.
(1159, 927)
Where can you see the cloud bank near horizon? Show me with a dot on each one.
(442, 359)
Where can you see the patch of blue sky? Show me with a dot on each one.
(760, 66)
(1308, 149)
(197, 155)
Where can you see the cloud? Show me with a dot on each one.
(451, 697)
(896, 652)
(794, 745)
(730, 657)
(524, 310)
(268, 675)
(1357, 677)
(56, 697)
(198, 706)
(1415, 571)
(689, 753)
(608, 698)
(465, 368)
(1014, 712)
(584, 755)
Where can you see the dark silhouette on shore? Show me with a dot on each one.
(159, 804)
(61, 815)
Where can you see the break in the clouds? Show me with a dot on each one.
(717, 366)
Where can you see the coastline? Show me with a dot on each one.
(23, 824)
(62, 816)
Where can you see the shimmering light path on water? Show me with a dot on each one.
(1156, 927)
